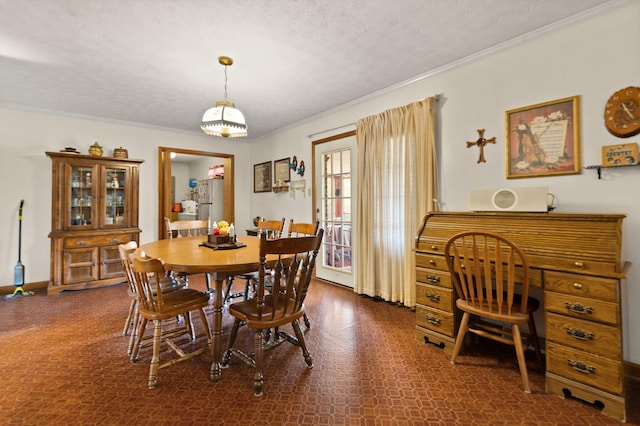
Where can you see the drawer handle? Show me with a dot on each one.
(434, 247)
(433, 279)
(579, 308)
(433, 320)
(432, 262)
(579, 265)
(81, 243)
(581, 367)
(579, 334)
(577, 286)
(433, 297)
(114, 241)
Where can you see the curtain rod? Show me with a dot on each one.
(310, 135)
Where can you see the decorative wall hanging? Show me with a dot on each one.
(281, 170)
(481, 142)
(262, 177)
(301, 168)
(543, 139)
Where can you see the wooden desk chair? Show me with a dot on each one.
(158, 306)
(485, 268)
(284, 305)
(127, 252)
(188, 228)
(272, 229)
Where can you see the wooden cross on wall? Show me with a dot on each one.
(481, 142)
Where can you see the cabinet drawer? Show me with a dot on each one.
(96, 241)
(433, 277)
(581, 285)
(434, 296)
(592, 370)
(426, 260)
(588, 336)
(436, 320)
(582, 307)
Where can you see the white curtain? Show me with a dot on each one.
(397, 186)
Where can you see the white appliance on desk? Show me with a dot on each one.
(210, 196)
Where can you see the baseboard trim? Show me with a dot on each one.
(8, 289)
(632, 371)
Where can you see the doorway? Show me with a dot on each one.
(165, 185)
(335, 185)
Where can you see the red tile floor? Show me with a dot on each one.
(63, 361)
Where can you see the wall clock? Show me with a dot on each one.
(622, 112)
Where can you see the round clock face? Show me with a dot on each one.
(622, 112)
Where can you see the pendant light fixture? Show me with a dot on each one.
(224, 119)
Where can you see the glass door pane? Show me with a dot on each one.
(336, 209)
(81, 200)
(115, 199)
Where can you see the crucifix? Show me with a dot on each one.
(481, 142)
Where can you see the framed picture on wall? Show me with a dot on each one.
(262, 177)
(543, 139)
(282, 170)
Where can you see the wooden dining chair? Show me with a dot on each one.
(272, 229)
(127, 251)
(485, 269)
(292, 274)
(301, 229)
(159, 306)
(188, 228)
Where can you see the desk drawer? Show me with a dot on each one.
(582, 307)
(588, 336)
(592, 370)
(434, 277)
(97, 241)
(431, 261)
(436, 320)
(581, 285)
(434, 297)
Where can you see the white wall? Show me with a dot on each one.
(586, 58)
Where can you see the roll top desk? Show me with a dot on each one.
(576, 259)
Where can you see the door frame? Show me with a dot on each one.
(314, 183)
(164, 183)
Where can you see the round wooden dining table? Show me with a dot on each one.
(188, 255)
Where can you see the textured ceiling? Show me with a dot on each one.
(154, 62)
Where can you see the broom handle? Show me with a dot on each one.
(20, 231)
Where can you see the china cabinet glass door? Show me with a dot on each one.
(81, 211)
(115, 199)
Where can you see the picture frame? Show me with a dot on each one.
(262, 177)
(281, 170)
(543, 139)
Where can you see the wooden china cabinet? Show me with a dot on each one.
(94, 208)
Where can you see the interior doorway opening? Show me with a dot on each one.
(165, 198)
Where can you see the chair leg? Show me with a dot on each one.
(517, 340)
(307, 323)
(462, 331)
(155, 358)
(232, 339)
(534, 336)
(134, 332)
(303, 346)
(136, 346)
(207, 329)
(128, 323)
(258, 348)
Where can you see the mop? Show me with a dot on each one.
(18, 272)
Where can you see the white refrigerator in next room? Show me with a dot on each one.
(210, 196)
